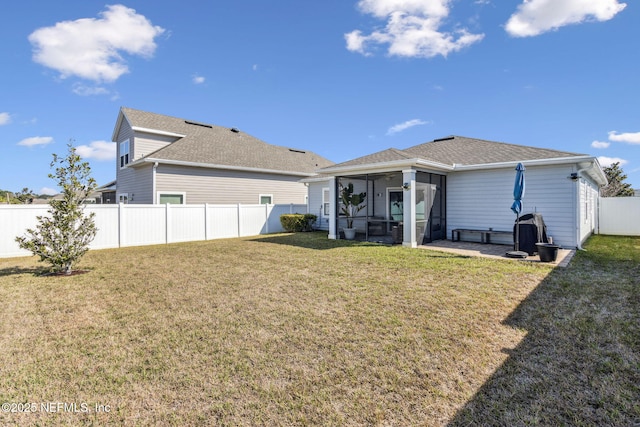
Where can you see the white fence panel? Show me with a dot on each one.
(143, 225)
(186, 223)
(619, 216)
(137, 225)
(14, 221)
(108, 224)
(222, 221)
(253, 220)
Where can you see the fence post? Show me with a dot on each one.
(266, 218)
(120, 224)
(239, 221)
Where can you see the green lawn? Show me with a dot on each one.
(295, 329)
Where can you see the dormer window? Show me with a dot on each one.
(124, 153)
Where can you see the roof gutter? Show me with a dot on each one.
(157, 132)
(594, 170)
(537, 162)
(147, 160)
(386, 166)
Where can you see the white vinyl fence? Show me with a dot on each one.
(137, 225)
(619, 216)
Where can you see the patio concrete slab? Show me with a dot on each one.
(495, 251)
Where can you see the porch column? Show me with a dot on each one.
(333, 208)
(409, 208)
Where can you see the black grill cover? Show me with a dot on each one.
(532, 231)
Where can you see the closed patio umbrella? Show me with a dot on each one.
(516, 207)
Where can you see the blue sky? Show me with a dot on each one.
(341, 78)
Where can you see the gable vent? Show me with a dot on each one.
(198, 124)
(235, 130)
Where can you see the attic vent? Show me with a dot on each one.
(235, 130)
(444, 139)
(198, 124)
(296, 151)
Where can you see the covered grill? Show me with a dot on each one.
(532, 231)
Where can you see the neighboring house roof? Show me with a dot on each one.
(459, 153)
(109, 186)
(205, 145)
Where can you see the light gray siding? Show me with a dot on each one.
(137, 183)
(203, 185)
(146, 143)
(482, 199)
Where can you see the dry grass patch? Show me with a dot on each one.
(279, 330)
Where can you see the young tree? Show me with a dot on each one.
(616, 186)
(62, 237)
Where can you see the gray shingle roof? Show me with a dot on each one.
(460, 150)
(217, 145)
(471, 151)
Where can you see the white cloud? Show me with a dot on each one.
(48, 191)
(600, 144)
(83, 90)
(413, 29)
(5, 119)
(406, 125)
(36, 140)
(608, 161)
(629, 138)
(91, 48)
(99, 150)
(198, 79)
(535, 17)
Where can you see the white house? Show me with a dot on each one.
(461, 183)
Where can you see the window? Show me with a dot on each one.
(326, 202)
(124, 153)
(266, 199)
(171, 198)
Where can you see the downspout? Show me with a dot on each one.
(153, 184)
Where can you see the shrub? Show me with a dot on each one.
(297, 222)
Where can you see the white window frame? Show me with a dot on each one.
(270, 196)
(171, 193)
(123, 198)
(326, 201)
(124, 158)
